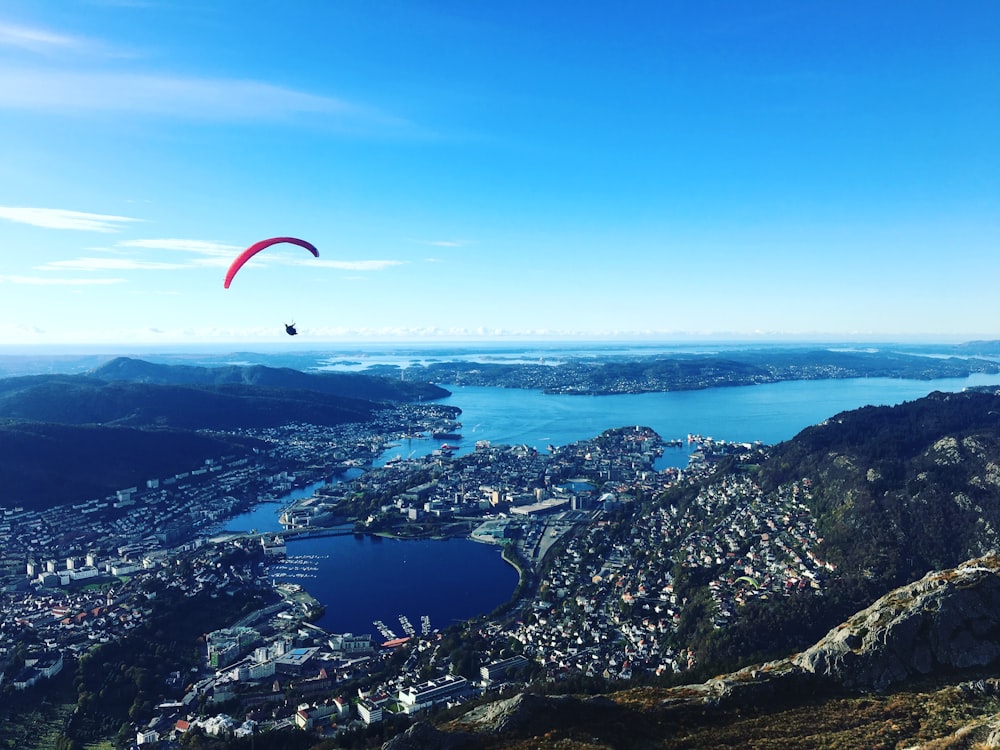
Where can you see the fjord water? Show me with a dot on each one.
(361, 580)
(767, 413)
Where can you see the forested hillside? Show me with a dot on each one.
(346, 385)
(901, 490)
(71, 437)
(894, 493)
(68, 399)
(43, 463)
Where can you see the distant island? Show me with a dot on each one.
(556, 367)
(630, 374)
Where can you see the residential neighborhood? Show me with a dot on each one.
(595, 529)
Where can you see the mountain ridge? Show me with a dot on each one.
(350, 385)
(130, 392)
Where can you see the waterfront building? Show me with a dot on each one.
(274, 547)
(496, 531)
(349, 645)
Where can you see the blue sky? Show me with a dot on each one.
(469, 170)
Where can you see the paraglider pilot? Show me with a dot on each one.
(290, 329)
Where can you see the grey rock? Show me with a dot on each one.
(424, 736)
(947, 620)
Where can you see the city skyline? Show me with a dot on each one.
(654, 171)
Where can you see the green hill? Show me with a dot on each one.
(70, 463)
(346, 385)
(901, 490)
(68, 399)
(67, 438)
(895, 492)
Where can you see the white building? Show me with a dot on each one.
(350, 645)
(82, 573)
(426, 694)
(369, 712)
(146, 736)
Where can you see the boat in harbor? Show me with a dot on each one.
(408, 628)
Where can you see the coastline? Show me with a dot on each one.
(513, 560)
(445, 537)
(514, 564)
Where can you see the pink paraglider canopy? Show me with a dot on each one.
(256, 247)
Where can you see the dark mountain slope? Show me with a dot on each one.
(43, 464)
(86, 400)
(336, 384)
(48, 462)
(893, 492)
(901, 490)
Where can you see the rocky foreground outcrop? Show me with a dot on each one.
(946, 621)
(945, 624)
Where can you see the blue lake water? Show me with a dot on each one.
(362, 580)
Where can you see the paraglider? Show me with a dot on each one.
(290, 329)
(255, 248)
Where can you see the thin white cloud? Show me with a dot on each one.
(49, 281)
(355, 265)
(37, 39)
(219, 253)
(52, 45)
(444, 243)
(60, 218)
(207, 248)
(218, 99)
(109, 264)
